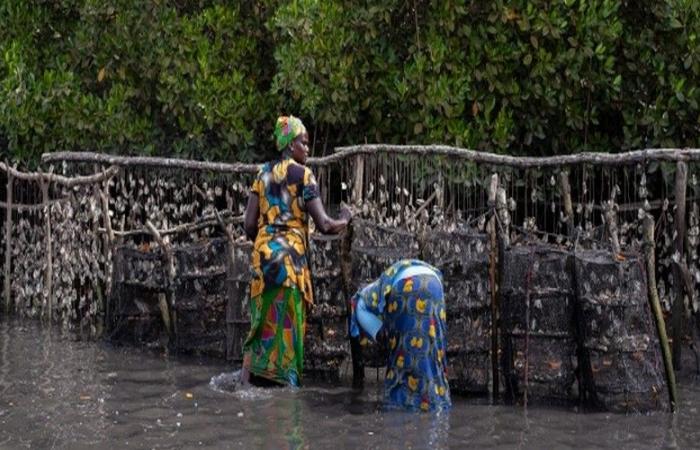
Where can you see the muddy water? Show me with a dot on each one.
(57, 392)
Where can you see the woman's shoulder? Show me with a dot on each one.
(297, 173)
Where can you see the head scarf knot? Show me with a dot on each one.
(287, 129)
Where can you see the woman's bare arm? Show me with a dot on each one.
(250, 220)
(324, 223)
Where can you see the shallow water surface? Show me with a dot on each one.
(56, 392)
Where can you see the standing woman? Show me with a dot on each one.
(406, 305)
(283, 195)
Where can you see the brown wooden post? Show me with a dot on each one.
(102, 294)
(48, 274)
(611, 226)
(503, 215)
(358, 369)
(166, 307)
(678, 301)
(358, 180)
(656, 309)
(493, 268)
(8, 241)
(566, 200)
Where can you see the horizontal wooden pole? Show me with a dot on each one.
(203, 222)
(148, 161)
(633, 157)
(60, 179)
(30, 207)
(341, 153)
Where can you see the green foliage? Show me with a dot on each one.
(206, 79)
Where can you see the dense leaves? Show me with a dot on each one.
(206, 79)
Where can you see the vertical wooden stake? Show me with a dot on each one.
(358, 369)
(493, 261)
(8, 241)
(170, 265)
(358, 179)
(165, 312)
(678, 301)
(566, 200)
(656, 310)
(611, 225)
(109, 238)
(48, 274)
(503, 215)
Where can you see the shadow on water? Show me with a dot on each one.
(56, 392)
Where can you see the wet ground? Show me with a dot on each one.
(57, 392)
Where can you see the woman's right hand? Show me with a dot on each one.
(345, 213)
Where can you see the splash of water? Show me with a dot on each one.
(228, 383)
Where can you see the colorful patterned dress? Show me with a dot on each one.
(408, 299)
(281, 281)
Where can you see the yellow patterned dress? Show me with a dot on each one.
(281, 280)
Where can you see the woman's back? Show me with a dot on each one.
(283, 187)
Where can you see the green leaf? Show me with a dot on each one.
(533, 40)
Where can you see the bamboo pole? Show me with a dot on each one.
(8, 242)
(678, 302)
(656, 310)
(48, 274)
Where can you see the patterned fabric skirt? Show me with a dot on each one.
(416, 377)
(274, 348)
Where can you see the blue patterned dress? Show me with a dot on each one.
(408, 300)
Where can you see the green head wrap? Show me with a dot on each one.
(287, 129)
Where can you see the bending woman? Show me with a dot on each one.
(406, 305)
(283, 195)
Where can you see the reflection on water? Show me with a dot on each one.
(56, 392)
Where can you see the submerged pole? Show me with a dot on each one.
(566, 200)
(679, 222)
(8, 241)
(493, 261)
(656, 310)
(358, 369)
(48, 275)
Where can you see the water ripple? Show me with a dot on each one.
(61, 393)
